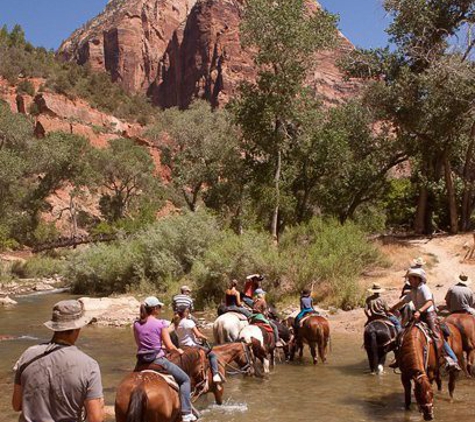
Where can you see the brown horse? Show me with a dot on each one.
(146, 396)
(419, 362)
(466, 325)
(315, 331)
(262, 342)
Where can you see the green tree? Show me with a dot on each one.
(202, 143)
(425, 89)
(285, 34)
(127, 176)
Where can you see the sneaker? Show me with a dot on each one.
(189, 417)
(217, 379)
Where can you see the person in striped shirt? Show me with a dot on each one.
(183, 300)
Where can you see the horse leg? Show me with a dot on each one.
(300, 347)
(406, 382)
(313, 352)
(471, 363)
(452, 379)
(266, 365)
(322, 349)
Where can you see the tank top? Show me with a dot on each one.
(231, 300)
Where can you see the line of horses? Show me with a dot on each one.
(241, 347)
(418, 357)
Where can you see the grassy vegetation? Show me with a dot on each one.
(193, 248)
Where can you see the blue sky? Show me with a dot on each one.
(48, 22)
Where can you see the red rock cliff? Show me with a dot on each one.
(179, 50)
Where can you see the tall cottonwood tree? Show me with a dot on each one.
(284, 34)
(425, 88)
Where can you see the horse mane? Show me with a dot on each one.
(412, 357)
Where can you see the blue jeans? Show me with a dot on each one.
(396, 322)
(448, 350)
(183, 381)
(234, 308)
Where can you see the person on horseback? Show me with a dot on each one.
(233, 300)
(460, 298)
(151, 336)
(188, 335)
(423, 301)
(253, 282)
(261, 312)
(306, 307)
(377, 308)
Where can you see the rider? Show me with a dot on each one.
(151, 334)
(261, 311)
(188, 335)
(377, 308)
(253, 282)
(233, 300)
(423, 301)
(460, 298)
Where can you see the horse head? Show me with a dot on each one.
(424, 396)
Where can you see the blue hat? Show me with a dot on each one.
(259, 292)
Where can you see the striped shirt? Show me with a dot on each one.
(182, 301)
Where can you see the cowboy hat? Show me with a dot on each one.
(376, 288)
(68, 315)
(417, 272)
(418, 262)
(463, 279)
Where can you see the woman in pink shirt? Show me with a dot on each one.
(151, 336)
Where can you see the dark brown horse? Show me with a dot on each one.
(315, 331)
(466, 325)
(419, 362)
(146, 396)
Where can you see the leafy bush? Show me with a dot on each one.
(39, 267)
(26, 87)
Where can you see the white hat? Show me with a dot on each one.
(463, 279)
(152, 302)
(376, 288)
(417, 272)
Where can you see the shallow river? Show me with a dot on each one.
(338, 391)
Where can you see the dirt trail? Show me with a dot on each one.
(444, 256)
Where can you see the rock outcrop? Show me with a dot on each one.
(111, 311)
(179, 50)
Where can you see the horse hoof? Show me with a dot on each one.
(380, 369)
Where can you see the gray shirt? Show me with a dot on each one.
(56, 386)
(419, 296)
(459, 298)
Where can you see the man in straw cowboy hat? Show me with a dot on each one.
(55, 381)
(459, 298)
(376, 307)
(421, 296)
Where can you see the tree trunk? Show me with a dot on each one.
(449, 184)
(467, 184)
(275, 216)
(420, 218)
(74, 220)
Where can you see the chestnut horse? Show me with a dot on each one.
(419, 362)
(146, 396)
(315, 331)
(466, 325)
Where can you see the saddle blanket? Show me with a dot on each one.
(241, 317)
(167, 377)
(266, 327)
(307, 316)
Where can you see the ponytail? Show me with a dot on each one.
(145, 312)
(180, 314)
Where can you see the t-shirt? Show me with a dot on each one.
(419, 296)
(306, 302)
(56, 386)
(148, 335)
(376, 306)
(182, 301)
(184, 332)
(459, 298)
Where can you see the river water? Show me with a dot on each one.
(338, 391)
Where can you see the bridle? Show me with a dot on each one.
(428, 407)
(246, 369)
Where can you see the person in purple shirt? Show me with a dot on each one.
(151, 336)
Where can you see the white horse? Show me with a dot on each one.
(227, 327)
(253, 336)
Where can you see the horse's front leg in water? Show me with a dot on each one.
(313, 351)
(407, 391)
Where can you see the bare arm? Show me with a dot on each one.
(426, 306)
(238, 299)
(95, 410)
(199, 334)
(17, 397)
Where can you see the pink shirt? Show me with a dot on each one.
(148, 336)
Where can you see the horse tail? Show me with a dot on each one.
(371, 346)
(137, 405)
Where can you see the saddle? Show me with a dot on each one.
(264, 326)
(158, 370)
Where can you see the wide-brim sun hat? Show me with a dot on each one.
(417, 272)
(68, 315)
(152, 302)
(463, 279)
(418, 262)
(376, 288)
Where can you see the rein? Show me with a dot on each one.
(235, 369)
